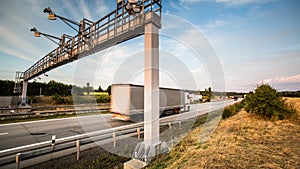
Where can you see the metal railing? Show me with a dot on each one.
(70, 145)
(14, 156)
(16, 112)
(116, 27)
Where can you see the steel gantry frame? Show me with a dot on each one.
(130, 19)
(114, 28)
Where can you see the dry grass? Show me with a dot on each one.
(242, 141)
(295, 102)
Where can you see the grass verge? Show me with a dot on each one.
(92, 159)
(241, 141)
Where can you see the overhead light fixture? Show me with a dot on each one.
(133, 1)
(38, 34)
(133, 6)
(47, 10)
(51, 15)
(136, 9)
(129, 7)
(33, 29)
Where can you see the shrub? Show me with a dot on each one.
(59, 99)
(267, 103)
(233, 109)
(228, 112)
(103, 99)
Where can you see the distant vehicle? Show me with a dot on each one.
(194, 98)
(236, 97)
(127, 101)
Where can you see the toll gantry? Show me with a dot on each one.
(127, 21)
(130, 19)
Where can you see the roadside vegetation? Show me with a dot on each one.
(242, 140)
(95, 158)
(232, 109)
(267, 103)
(267, 136)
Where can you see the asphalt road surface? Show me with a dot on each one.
(24, 133)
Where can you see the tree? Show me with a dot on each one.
(7, 88)
(100, 89)
(88, 88)
(266, 102)
(59, 88)
(108, 90)
(207, 94)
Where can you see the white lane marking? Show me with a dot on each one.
(1, 134)
(67, 118)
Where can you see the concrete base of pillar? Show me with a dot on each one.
(24, 105)
(134, 164)
(146, 154)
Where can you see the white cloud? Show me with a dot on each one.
(282, 80)
(217, 23)
(24, 50)
(85, 10)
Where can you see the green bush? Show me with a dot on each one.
(267, 103)
(103, 99)
(228, 112)
(57, 99)
(233, 109)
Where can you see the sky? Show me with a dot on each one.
(231, 45)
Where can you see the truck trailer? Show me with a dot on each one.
(127, 101)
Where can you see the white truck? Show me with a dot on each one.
(127, 101)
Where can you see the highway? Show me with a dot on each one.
(24, 133)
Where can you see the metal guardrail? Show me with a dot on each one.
(44, 110)
(18, 154)
(53, 112)
(14, 156)
(30, 151)
(53, 107)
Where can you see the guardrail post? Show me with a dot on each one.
(138, 132)
(114, 136)
(78, 148)
(53, 141)
(170, 125)
(18, 160)
(179, 124)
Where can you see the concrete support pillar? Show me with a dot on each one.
(24, 92)
(151, 86)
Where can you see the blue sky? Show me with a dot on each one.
(255, 41)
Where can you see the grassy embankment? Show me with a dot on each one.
(241, 141)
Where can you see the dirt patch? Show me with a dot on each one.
(242, 141)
